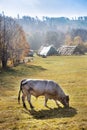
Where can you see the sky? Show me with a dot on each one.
(39, 8)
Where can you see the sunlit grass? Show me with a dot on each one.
(70, 72)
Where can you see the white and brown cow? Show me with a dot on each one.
(38, 87)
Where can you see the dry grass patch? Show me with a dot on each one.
(70, 72)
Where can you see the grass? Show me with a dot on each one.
(70, 72)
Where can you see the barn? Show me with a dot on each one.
(47, 51)
(70, 50)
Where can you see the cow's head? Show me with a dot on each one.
(65, 101)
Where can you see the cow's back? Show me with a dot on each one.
(38, 86)
(42, 87)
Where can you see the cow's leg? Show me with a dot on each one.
(57, 103)
(29, 100)
(23, 100)
(46, 99)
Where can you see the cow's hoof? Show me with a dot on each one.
(24, 106)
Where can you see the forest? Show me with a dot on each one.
(57, 31)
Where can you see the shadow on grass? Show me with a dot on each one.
(22, 70)
(53, 113)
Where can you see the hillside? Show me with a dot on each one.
(51, 30)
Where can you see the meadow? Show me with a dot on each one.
(70, 72)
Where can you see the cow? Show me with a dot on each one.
(39, 87)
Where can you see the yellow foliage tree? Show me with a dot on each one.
(68, 40)
(77, 40)
(13, 44)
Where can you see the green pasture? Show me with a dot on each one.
(70, 72)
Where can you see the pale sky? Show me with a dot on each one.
(50, 8)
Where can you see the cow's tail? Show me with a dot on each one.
(19, 92)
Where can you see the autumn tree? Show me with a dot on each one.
(18, 46)
(82, 33)
(13, 44)
(68, 40)
(77, 40)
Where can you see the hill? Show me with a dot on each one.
(51, 30)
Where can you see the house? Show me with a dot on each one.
(48, 50)
(70, 50)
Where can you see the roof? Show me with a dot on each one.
(47, 50)
(69, 50)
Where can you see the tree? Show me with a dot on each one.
(13, 43)
(35, 39)
(79, 32)
(0, 36)
(3, 42)
(54, 38)
(18, 46)
(68, 40)
(77, 40)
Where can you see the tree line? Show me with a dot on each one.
(56, 31)
(13, 43)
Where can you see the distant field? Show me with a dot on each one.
(69, 71)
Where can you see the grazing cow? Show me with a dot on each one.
(38, 87)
